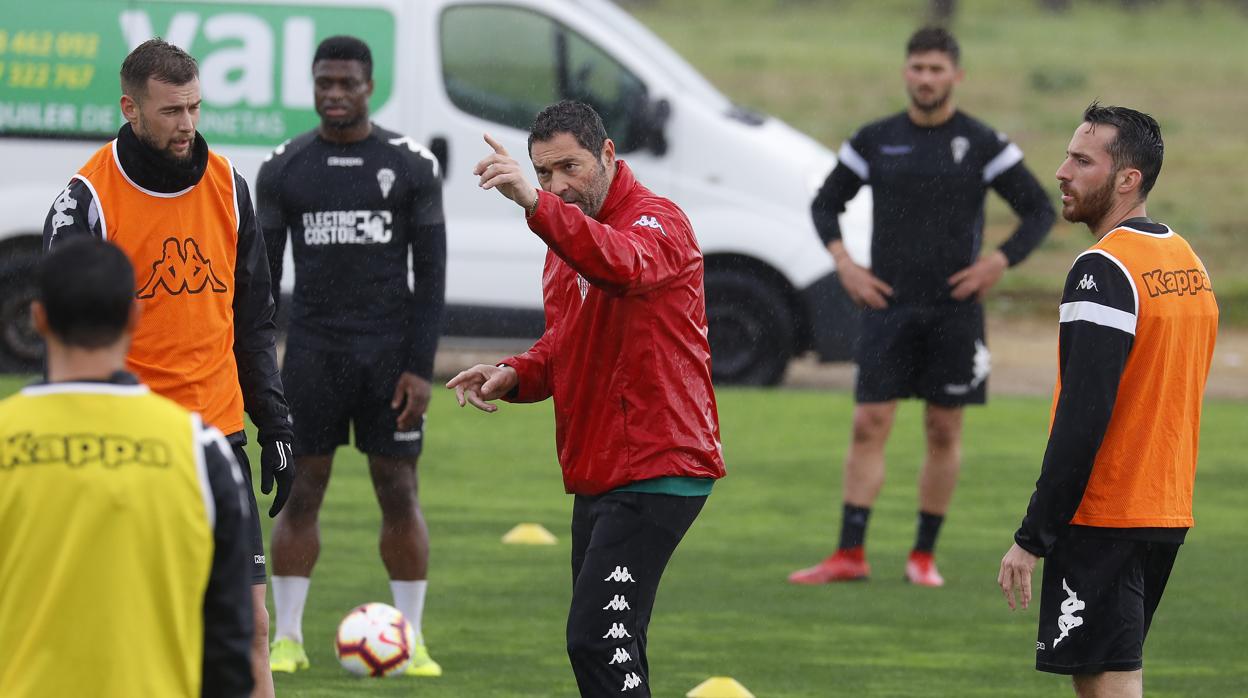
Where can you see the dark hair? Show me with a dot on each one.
(345, 48)
(576, 118)
(1138, 144)
(86, 287)
(159, 59)
(934, 39)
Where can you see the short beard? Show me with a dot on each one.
(166, 153)
(344, 124)
(934, 106)
(1092, 210)
(596, 195)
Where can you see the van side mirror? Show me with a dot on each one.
(441, 150)
(654, 126)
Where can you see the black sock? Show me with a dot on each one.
(929, 528)
(854, 525)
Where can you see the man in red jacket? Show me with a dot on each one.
(626, 359)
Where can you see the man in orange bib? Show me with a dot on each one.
(1114, 498)
(206, 335)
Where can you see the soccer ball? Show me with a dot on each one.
(375, 640)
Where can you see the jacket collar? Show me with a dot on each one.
(152, 170)
(621, 190)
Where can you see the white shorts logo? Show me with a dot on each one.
(1068, 620)
(631, 681)
(621, 656)
(981, 366)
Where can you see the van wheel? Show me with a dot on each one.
(21, 348)
(751, 328)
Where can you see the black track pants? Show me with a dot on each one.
(621, 542)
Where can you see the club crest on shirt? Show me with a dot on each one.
(385, 179)
(959, 145)
(583, 285)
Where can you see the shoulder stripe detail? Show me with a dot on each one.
(68, 388)
(159, 195)
(95, 202)
(201, 471)
(419, 149)
(1007, 158)
(1098, 314)
(1135, 292)
(855, 162)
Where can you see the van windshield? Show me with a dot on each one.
(677, 68)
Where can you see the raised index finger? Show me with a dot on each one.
(498, 147)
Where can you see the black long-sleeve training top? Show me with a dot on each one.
(353, 212)
(928, 187)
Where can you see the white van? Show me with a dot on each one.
(446, 71)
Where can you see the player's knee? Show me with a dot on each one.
(870, 427)
(943, 441)
(301, 510)
(397, 496)
(584, 645)
(943, 434)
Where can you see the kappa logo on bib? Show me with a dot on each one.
(182, 268)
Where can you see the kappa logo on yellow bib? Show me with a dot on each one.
(181, 268)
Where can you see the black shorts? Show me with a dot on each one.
(1097, 602)
(257, 537)
(937, 353)
(329, 391)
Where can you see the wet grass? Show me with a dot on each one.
(495, 613)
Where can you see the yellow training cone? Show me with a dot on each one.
(530, 534)
(720, 687)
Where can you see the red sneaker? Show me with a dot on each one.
(921, 570)
(844, 565)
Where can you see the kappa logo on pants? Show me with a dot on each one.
(619, 603)
(1068, 620)
(621, 656)
(619, 574)
(617, 632)
(631, 681)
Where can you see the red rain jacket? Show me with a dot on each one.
(625, 352)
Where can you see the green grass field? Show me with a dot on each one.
(495, 613)
(827, 67)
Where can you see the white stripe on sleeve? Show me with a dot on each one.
(1007, 158)
(851, 159)
(1098, 314)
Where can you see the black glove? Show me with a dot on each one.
(277, 462)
